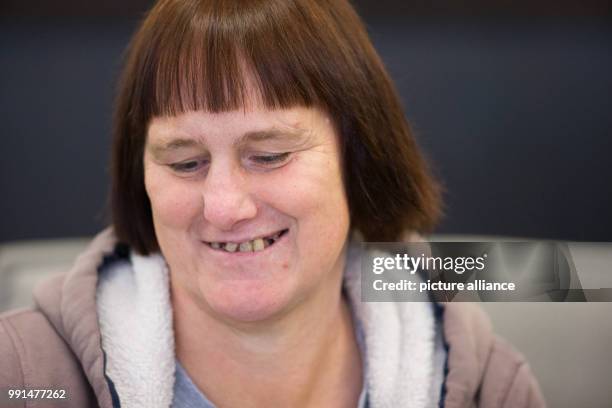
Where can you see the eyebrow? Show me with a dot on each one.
(173, 144)
(270, 134)
(253, 136)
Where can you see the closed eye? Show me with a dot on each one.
(270, 160)
(188, 166)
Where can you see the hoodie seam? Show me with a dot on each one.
(484, 371)
(61, 311)
(439, 316)
(13, 335)
(506, 394)
(119, 253)
(111, 386)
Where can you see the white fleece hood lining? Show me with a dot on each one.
(135, 317)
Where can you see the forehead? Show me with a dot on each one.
(237, 123)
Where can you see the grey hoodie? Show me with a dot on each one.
(57, 345)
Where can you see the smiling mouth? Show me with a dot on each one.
(254, 245)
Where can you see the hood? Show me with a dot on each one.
(469, 338)
(69, 303)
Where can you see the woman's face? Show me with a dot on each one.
(249, 208)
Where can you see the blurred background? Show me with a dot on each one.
(510, 100)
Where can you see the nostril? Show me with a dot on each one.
(227, 200)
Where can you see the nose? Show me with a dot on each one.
(227, 197)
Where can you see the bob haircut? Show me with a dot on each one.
(203, 54)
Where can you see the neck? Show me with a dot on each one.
(309, 358)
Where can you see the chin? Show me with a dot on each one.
(247, 302)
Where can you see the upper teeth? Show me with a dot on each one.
(257, 244)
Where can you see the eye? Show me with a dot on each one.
(189, 166)
(270, 160)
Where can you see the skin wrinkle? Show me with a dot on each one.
(249, 137)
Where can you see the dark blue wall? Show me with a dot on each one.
(516, 117)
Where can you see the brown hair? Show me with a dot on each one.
(197, 54)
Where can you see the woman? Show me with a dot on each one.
(255, 143)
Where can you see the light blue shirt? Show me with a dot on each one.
(187, 395)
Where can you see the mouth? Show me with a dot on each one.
(253, 245)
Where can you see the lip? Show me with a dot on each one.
(220, 252)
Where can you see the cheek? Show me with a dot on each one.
(311, 191)
(174, 203)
